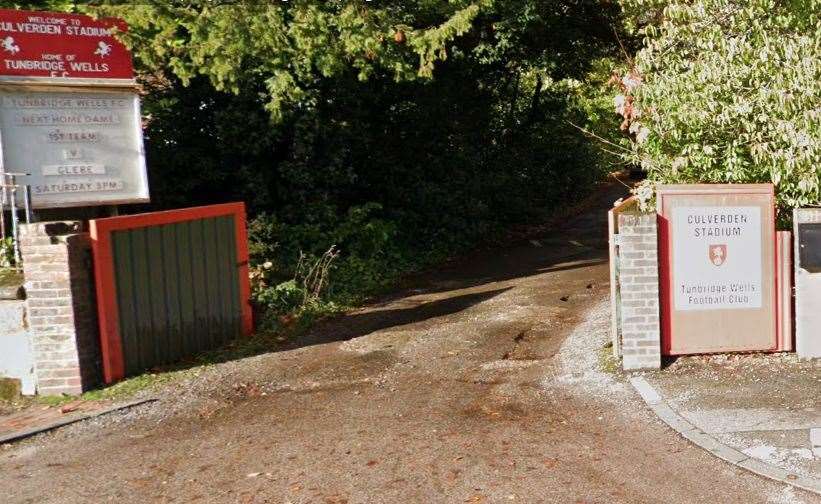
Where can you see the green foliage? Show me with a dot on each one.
(11, 277)
(279, 299)
(371, 259)
(9, 390)
(728, 91)
(291, 46)
(8, 257)
(49, 5)
(608, 363)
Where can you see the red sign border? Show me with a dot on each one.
(665, 268)
(84, 80)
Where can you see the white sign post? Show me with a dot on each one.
(80, 148)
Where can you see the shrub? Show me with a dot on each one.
(297, 265)
(727, 91)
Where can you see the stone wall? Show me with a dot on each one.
(639, 291)
(62, 311)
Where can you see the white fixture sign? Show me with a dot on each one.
(717, 257)
(80, 148)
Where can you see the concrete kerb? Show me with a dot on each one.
(815, 442)
(668, 415)
(24, 432)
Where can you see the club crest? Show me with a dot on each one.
(718, 254)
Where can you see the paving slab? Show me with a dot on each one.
(36, 419)
(723, 420)
(763, 459)
(758, 411)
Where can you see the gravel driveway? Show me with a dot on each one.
(478, 384)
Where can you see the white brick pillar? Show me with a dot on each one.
(639, 288)
(60, 306)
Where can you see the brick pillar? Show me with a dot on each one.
(639, 287)
(61, 306)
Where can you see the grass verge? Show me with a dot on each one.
(608, 363)
(276, 337)
(10, 277)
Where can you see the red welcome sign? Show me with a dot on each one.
(35, 44)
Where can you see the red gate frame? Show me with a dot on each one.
(782, 341)
(107, 309)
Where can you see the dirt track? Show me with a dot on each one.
(465, 389)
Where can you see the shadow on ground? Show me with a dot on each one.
(353, 325)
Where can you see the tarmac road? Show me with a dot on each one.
(461, 389)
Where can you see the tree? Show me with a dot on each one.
(292, 46)
(727, 91)
(406, 100)
(49, 5)
(399, 131)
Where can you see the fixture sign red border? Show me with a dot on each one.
(53, 45)
(706, 320)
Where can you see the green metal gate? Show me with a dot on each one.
(170, 284)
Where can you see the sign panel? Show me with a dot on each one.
(809, 246)
(717, 258)
(48, 45)
(80, 148)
